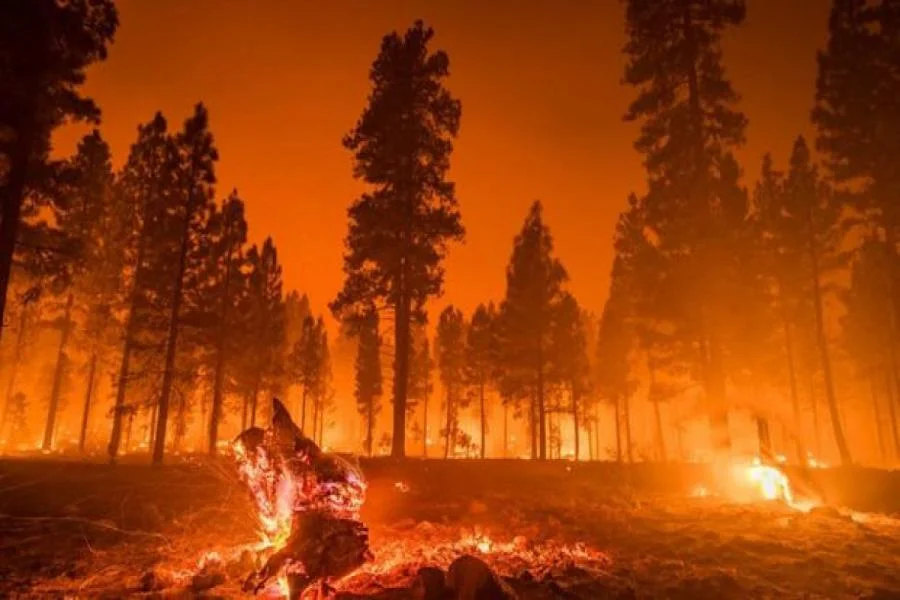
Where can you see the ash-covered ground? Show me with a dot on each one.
(553, 530)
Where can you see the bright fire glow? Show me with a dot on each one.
(771, 481)
(279, 493)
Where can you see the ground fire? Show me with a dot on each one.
(308, 503)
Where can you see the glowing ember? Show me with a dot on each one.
(401, 487)
(700, 491)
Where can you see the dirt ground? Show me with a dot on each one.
(553, 530)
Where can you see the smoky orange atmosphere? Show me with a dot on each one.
(540, 84)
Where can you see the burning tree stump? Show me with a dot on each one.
(308, 503)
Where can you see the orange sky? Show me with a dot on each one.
(542, 106)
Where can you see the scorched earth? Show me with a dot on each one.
(553, 530)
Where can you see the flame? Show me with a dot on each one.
(700, 491)
(401, 487)
(281, 492)
(815, 463)
(771, 481)
(399, 556)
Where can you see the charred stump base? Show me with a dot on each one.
(321, 547)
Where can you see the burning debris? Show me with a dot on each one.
(308, 504)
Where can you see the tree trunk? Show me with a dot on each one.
(159, 447)
(892, 411)
(505, 430)
(82, 438)
(876, 413)
(575, 423)
(533, 422)
(303, 412)
(626, 406)
(449, 430)
(215, 410)
(322, 424)
(11, 197)
(795, 397)
(124, 368)
(370, 417)
(58, 372)
(660, 436)
(618, 419)
(817, 427)
(542, 409)
(215, 413)
(425, 427)
(128, 430)
(401, 371)
(483, 420)
(152, 425)
(244, 406)
(254, 399)
(839, 438)
(17, 357)
(592, 434)
(718, 420)
(765, 440)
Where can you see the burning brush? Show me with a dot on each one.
(308, 503)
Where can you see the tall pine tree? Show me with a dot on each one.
(399, 230)
(688, 125)
(534, 290)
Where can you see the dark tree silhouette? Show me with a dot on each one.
(195, 179)
(865, 336)
(858, 124)
(569, 360)
(227, 283)
(399, 231)
(688, 125)
(306, 363)
(46, 47)
(534, 290)
(92, 269)
(145, 185)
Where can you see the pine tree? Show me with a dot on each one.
(27, 315)
(265, 323)
(226, 280)
(368, 375)
(145, 186)
(865, 336)
(812, 218)
(688, 125)
(450, 343)
(534, 290)
(859, 127)
(83, 220)
(46, 47)
(481, 361)
(323, 393)
(569, 360)
(196, 176)
(615, 342)
(306, 362)
(399, 231)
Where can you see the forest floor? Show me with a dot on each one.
(552, 530)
